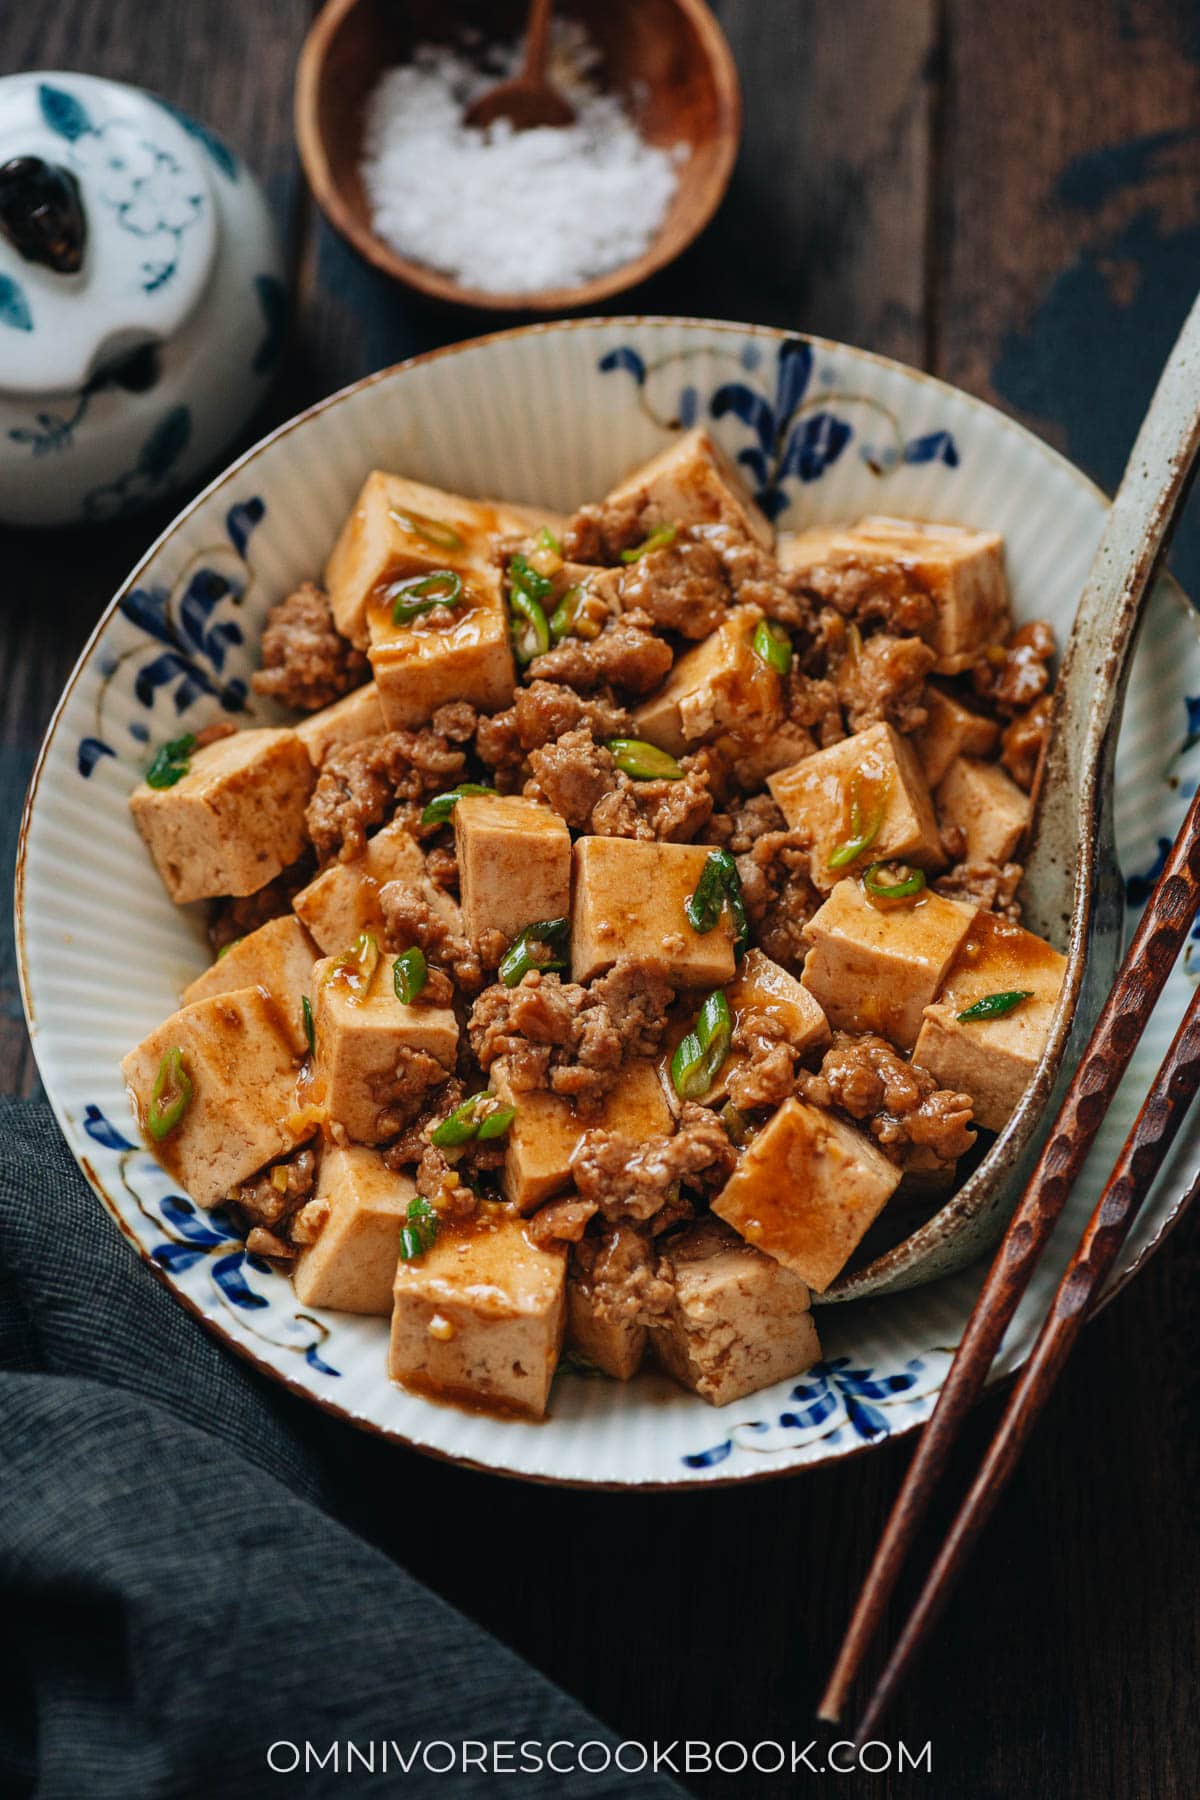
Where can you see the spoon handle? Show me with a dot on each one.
(1135, 538)
(537, 40)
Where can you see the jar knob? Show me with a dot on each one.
(41, 213)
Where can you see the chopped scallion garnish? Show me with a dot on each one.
(719, 882)
(409, 974)
(642, 761)
(357, 966)
(863, 828)
(995, 1006)
(539, 946)
(306, 1013)
(170, 1096)
(698, 1056)
(658, 540)
(432, 531)
(171, 762)
(772, 645)
(421, 593)
(909, 885)
(442, 805)
(419, 1233)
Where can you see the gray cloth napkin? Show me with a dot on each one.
(175, 1598)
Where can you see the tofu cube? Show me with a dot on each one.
(344, 899)
(398, 528)
(479, 1318)
(355, 716)
(987, 805)
(352, 1265)
(874, 969)
(806, 1190)
(879, 769)
(364, 1038)
(992, 1059)
(739, 1320)
(628, 901)
(279, 957)
(961, 570)
(612, 1343)
(243, 1110)
(234, 821)
(459, 653)
(542, 1138)
(514, 861)
(693, 482)
(952, 729)
(719, 685)
(762, 986)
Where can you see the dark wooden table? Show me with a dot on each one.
(1006, 192)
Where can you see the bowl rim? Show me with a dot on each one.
(771, 333)
(663, 249)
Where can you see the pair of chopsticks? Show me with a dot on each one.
(1162, 463)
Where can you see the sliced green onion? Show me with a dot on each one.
(170, 1096)
(772, 645)
(433, 531)
(421, 593)
(737, 1125)
(171, 762)
(442, 805)
(644, 762)
(863, 832)
(519, 958)
(658, 540)
(547, 541)
(496, 1123)
(459, 1126)
(699, 1055)
(530, 627)
(306, 1013)
(995, 1006)
(358, 964)
(231, 945)
(574, 615)
(906, 889)
(419, 1234)
(719, 881)
(526, 578)
(409, 974)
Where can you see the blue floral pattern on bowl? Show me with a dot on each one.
(189, 1238)
(801, 422)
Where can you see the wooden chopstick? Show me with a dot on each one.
(1163, 1111)
(1152, 953)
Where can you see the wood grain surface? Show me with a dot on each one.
(1009, 195)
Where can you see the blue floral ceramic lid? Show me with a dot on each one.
(132, 217)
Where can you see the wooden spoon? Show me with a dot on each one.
(528, 99)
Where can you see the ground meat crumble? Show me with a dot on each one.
(306, 662)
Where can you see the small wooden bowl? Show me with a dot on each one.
(668, 58)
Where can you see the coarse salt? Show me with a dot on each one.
(510, 211)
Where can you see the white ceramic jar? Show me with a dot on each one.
(125, 376)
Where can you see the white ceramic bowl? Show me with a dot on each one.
(556, 413)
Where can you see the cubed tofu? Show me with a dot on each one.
(878, 769)
(992, 1059)
(479, 1318)
(344, 899)
(961, 570)
(234, 821)
(762, 986)
(399, 528)
(243, 1110)
(351, 1266)
(806, 1190)
(991, 811)
(628, 901)
(693, 482)
(719, 685)
(279, 957)
(739, 1320)
(952, 729)
(609, 1341)
(752, 755)
(355, 716)
(877, 968)
(364, 1041)
(514, 862)
(458, 653)
(542, 1138)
